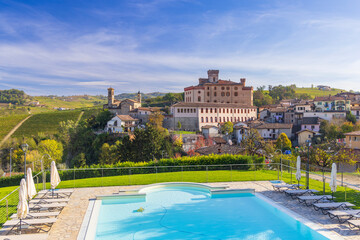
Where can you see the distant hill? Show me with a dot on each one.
(143, 95)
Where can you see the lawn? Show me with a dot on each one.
(185, 176)
(183, 132)
(9, 122)
(45, 123)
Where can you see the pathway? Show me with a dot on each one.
(13, 130)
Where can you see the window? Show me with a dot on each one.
(207, 119)
(227, 110)
(227, 94)
(199, 99)
(238, 110)
(210, 110)
(202, 119)
(242, 111)
(222, 94)
(235, 88)
(208, 88)
(208, 94)
(199, 92)
(214, 94)
(231, 119)
(215, 119)
(227, 88)
(230, 110)
(214, 79)
(214, 88)
(211, 119)
(182, 110)
(235, 94)
(202, 110)
(178, 110)
(309, 136)
(228, 119)
(215, 110)
(222, 88)
(206, 110)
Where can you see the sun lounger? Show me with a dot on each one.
(354, 224)
(45, 207)
(37, 236)
(38, 215)
(41, 224)
(310, 200)
(57, 193)
(326, 207)
(49, 200)
(295, 193)
(341, 214)
(283, 187)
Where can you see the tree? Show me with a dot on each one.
(252, 142)
(227, 128)
(156, 120)
(351, 118)
(283, 142)
(79, 160)
(102, 118)
(178, 126)
(105, 154)
(53, 148)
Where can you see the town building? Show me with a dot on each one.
(349, 95)
(328, 116)
(332, 103)
(352, 140)
(210, 131)
(304, 136)
(273, 115)
(121, 124)
(213, 102)
(311, 123)
(143, 113)
(271, 131)
(121, 107)
(356, 111)
(324, 88)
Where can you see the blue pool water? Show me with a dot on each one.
(178, 212)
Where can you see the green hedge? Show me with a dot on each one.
(196, 163)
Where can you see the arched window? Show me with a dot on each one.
(231, 119)
(207, 119)
(210, 110)
(202, 110)
(227, 94)
(235, 94)
(202, 119)
(199, 99)
(211, 119)
(222, 94)
(215, 119)
(227, 118)
(206, 110)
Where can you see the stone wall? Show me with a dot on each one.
(187, 123)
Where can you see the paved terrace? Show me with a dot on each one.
(69, 221)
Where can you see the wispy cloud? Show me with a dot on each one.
(277, 46)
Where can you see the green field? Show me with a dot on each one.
(9, 122)
(71, 102)
(314, 92)
(45, 123)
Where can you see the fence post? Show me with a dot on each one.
(182, 173)
(345, 192)
(278, 172)
(37, 183)
(7, 210)
(74, 178)
(102, 177)
(281, 167)
(290, 172)
(156, 171)
(129, 176)
(207, 177)
(323, 180)
(231, 173)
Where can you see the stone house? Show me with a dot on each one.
(143, 113)
(328, 115)
(123, 107)
(304, 135)
(311, 123)
(210, 131)
(352, 140)
(356, 111)
(240, 129)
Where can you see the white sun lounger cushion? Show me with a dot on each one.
(38, 215)
(34, 221)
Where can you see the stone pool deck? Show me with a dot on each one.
(69, 221)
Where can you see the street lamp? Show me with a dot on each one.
(24, 147)
(11, 149)
(308, 164)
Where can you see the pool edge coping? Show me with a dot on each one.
(312, 225)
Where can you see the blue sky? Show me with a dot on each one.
(75, 47)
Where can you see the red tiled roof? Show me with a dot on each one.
(126, 118)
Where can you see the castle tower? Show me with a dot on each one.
(110, 96)
(213, 75)
(139, 97)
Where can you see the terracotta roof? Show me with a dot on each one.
(305, 130)
(219, 140)
(232, 105)
(220, 149)
(126, 118)
(356, 133)
(329, 98)
(274, 125)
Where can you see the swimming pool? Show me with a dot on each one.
(194, 211)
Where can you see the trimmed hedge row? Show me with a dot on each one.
(196, 163)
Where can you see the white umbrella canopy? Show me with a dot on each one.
(54, 176)
(333, 183)
(30, 185)
(298, 169)
(22, 207)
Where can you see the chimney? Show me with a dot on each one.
(242, 81)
